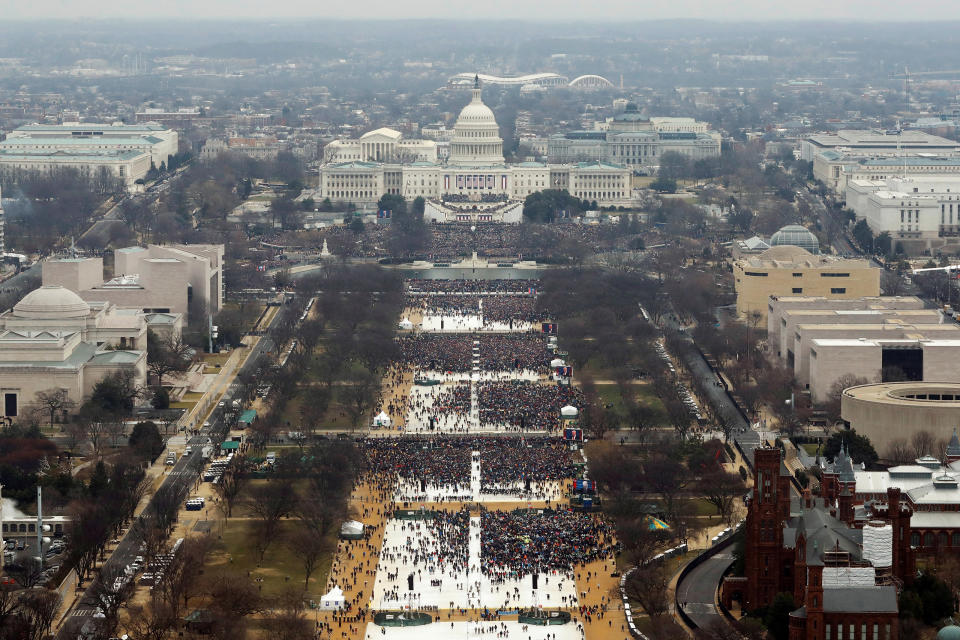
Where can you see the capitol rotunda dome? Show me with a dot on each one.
(476, 138)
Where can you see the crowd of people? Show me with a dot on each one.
(437, 461)
(524, 405)
(437, 352)
(521, 542)
(499, 352)
(507, 462)
(506, 311)
(493, 285)
(446, 460)
(514, 352)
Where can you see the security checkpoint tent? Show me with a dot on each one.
(333, 600)
(351, 530)
(247, 418)
(569, 412)
(382, 420)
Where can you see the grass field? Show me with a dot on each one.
(610, 395)
(337, 420)
(281, 564)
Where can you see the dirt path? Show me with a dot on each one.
(355, 565)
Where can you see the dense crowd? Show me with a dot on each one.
(522, 542)
(493, 285)
(446, 460)
(526, 406)
(437, 352)
(536, 459)
(514, 352)
(453, 240)
(508, 352)
(501, 309)
(439, 461)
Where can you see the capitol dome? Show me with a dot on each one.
(476, 136)
(51, 302)
(796, 236)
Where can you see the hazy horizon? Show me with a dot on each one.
(620, 11)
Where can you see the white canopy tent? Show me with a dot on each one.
(382, 420)
(569, 412)
(333, 600)
(557, 362)
(351, 529)
(405, 324)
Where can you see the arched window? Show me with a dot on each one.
(943, 539)
(928, 540)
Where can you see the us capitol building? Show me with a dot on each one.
(474, 184)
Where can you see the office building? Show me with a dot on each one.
(788, 270)
(159, 279)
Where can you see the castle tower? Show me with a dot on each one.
(953, 449)
(769, 508)
(814, 602)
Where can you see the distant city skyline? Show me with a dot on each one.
(603, 10)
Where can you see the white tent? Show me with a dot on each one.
(569, 411)
(405, 324)
(557, 362)
(351, 528)
(382, 420)
(333, 600)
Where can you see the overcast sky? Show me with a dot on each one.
(619, 10)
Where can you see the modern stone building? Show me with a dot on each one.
(793, 271)
(885, 412)
(920, 213)
(785, 312)
(154, 139)
(53, 339)
(155, 279)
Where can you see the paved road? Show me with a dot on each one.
(183, 474)
(717, 396)
(698, 590)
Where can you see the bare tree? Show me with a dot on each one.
(230, 485)
(310, 547)
(55, 402)
(721, 489)
(360, 395)
(649, 586)
(891, 283)
(181, 579)
(270, 503)
(31, 572)
(38, 608)
(167, 354)
(76, 433)
(111, 591)
(287, 621)
(899, 451)
(923, 443)
(153, 621)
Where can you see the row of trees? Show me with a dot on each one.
(676, 475)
